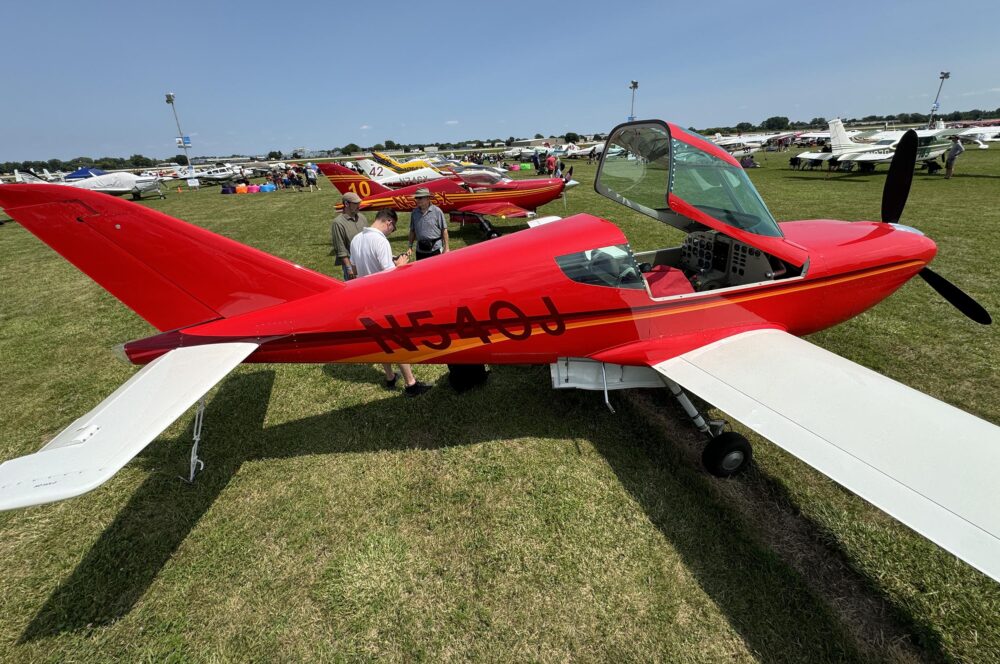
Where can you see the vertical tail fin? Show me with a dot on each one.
(839, 140)
(136, 254)
(345, 180)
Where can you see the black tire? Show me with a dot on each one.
(727, 454)
(464, 377)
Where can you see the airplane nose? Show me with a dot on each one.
(571, 183)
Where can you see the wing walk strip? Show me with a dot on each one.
(926, 463)
(466, 344)
(89, 451)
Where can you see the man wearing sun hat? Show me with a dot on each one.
(428, 228)
(348, 224)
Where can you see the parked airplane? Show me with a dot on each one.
(720, 315)
(931, 144)
(115, 184)
(511, 198)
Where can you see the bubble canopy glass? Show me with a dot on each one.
(680, 179)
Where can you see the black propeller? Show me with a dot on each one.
(569, 175)
(894, 195)
(897, 183)
(958, 298)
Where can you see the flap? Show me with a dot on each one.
(928, 464)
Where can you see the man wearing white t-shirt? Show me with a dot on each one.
(370, 254)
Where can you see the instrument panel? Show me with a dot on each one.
(717, 261)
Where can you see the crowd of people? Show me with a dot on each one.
(295, 177)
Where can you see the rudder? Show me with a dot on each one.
(346, 180)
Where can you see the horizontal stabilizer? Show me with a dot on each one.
(96, 446)
(928, 464)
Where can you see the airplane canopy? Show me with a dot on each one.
(685, 181)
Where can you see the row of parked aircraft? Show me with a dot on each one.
(857, 146)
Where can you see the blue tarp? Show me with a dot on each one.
(81, 173)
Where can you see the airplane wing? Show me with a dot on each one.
(821, 156)
(96, 446)
(869, 157)
(496, 209)
(928, 464)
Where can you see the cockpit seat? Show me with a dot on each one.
(665, 281)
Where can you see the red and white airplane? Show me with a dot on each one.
(720, 315)
(507, 198)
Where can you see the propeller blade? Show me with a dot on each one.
(897, 182)
(956, 296)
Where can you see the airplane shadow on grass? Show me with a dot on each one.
(766, 603)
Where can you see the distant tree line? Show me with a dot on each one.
(781, 123)
(104, 163)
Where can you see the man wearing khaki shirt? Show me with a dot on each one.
(347, 224)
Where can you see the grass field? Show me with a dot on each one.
(335, 520)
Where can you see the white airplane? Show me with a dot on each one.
(931, 144)
(115, 184)
(585, 149)
(387, 177)
(745, 145)
(218, 174)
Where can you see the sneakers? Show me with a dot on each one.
(417, 389)
(390, 383)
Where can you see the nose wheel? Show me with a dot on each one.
(727, 454)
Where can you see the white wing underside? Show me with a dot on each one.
(928, 464)
(96, 446)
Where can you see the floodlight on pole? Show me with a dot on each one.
(633, 86)
(184, 144)
(934, 107)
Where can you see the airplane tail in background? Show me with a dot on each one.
(839, 140)
(27, 177)
(346, 180)
(171, 273)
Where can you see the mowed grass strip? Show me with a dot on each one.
(337, 520)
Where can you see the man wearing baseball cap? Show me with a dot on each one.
(428, 227)
(348, 224)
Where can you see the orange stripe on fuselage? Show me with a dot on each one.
(458, 345)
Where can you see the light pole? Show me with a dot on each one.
(170, 100)
(633, 86)
(944, 75)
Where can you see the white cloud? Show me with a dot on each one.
(365, 127)
(975, 93)
(451, 122)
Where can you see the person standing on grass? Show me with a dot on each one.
(347, 225)
(371, 254)
(956, 149)
(428, 227)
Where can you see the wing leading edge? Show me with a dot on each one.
(96, 446)
(926, 463)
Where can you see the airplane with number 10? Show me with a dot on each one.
(720, 315)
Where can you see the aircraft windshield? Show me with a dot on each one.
(643, 164)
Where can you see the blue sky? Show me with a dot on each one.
(88, 78)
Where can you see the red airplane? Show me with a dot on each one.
(720, 315)
(509, 198)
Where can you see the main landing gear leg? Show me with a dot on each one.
(726, 453)
(196, 463)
